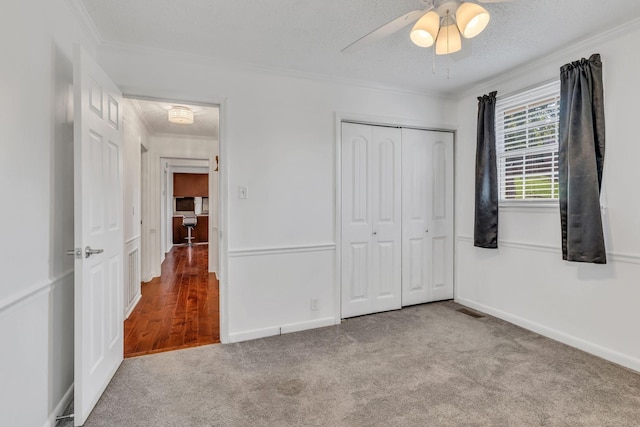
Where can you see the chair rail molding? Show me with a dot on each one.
(320, 247)
(33, 291)
(612, 256)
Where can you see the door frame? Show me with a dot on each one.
(373, 120)
(222, 103)
(167, 203)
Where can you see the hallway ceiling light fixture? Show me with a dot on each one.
(181, 115)
(444, 28)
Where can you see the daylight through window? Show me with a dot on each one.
(527, 144)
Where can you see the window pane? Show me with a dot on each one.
(527, 144)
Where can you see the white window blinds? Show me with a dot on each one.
(527, 143)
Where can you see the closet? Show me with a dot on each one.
(397, 217)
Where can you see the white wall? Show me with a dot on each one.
(36, 176)
(593, 307)
(278, 139)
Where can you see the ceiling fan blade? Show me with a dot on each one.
(386, 30)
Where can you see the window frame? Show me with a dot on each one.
(526, 99)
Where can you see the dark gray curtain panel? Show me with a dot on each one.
(485, 233)
(580, 160)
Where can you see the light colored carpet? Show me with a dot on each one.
(427, 365)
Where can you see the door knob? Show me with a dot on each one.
(375, 232)
(88, 251)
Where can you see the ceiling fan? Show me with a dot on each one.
(441, 22)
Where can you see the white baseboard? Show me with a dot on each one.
(284, 329)
(253, 334)
(310, 324)
(60, 407)
(132, 306)
(589, 347)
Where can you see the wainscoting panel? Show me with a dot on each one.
(37, 325)
(589, 306)
(132, 278)
(279, 290)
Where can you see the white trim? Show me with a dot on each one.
(556, 56)
(626, 258)
(612, 256)
(132, 240)
(309, 324)
(133, 305)
(589, 347)
(234, 253)
(32, 292)
(337, 219)
(223, 219)
(86, 23)
(232, 65)
(254, 334)
(284, 329)
(60, 407)
(529, 206)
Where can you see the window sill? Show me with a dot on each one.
(529, 206)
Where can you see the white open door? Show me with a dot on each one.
(98, 232)
(427, 216)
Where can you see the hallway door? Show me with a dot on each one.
(98, 195)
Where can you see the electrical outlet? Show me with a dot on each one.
(314, 304)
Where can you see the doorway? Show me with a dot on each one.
(174, 301)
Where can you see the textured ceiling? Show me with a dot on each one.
(307, 35)
(154, 114)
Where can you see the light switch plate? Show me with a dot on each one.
(243, 192)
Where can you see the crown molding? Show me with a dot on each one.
(86, 23)
(138, 110)
(263, 69)
(559, 56)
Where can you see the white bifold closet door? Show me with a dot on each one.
(371, 219)
(397, 218)
(427, 216)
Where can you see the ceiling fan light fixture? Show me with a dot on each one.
(425, 31)
(448, 40)
(180, 115)
(472, 19)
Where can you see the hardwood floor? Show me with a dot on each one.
(179, 309)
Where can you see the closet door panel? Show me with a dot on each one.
(416, 195)
(356, 219)
(441, 214)
(371, 219)
(427, 209)
(387, 219)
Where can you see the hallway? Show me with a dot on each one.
(179, 309)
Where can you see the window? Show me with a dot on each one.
(527, 144)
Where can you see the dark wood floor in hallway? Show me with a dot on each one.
(177, 310)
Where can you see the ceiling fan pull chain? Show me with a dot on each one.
(433, 61)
